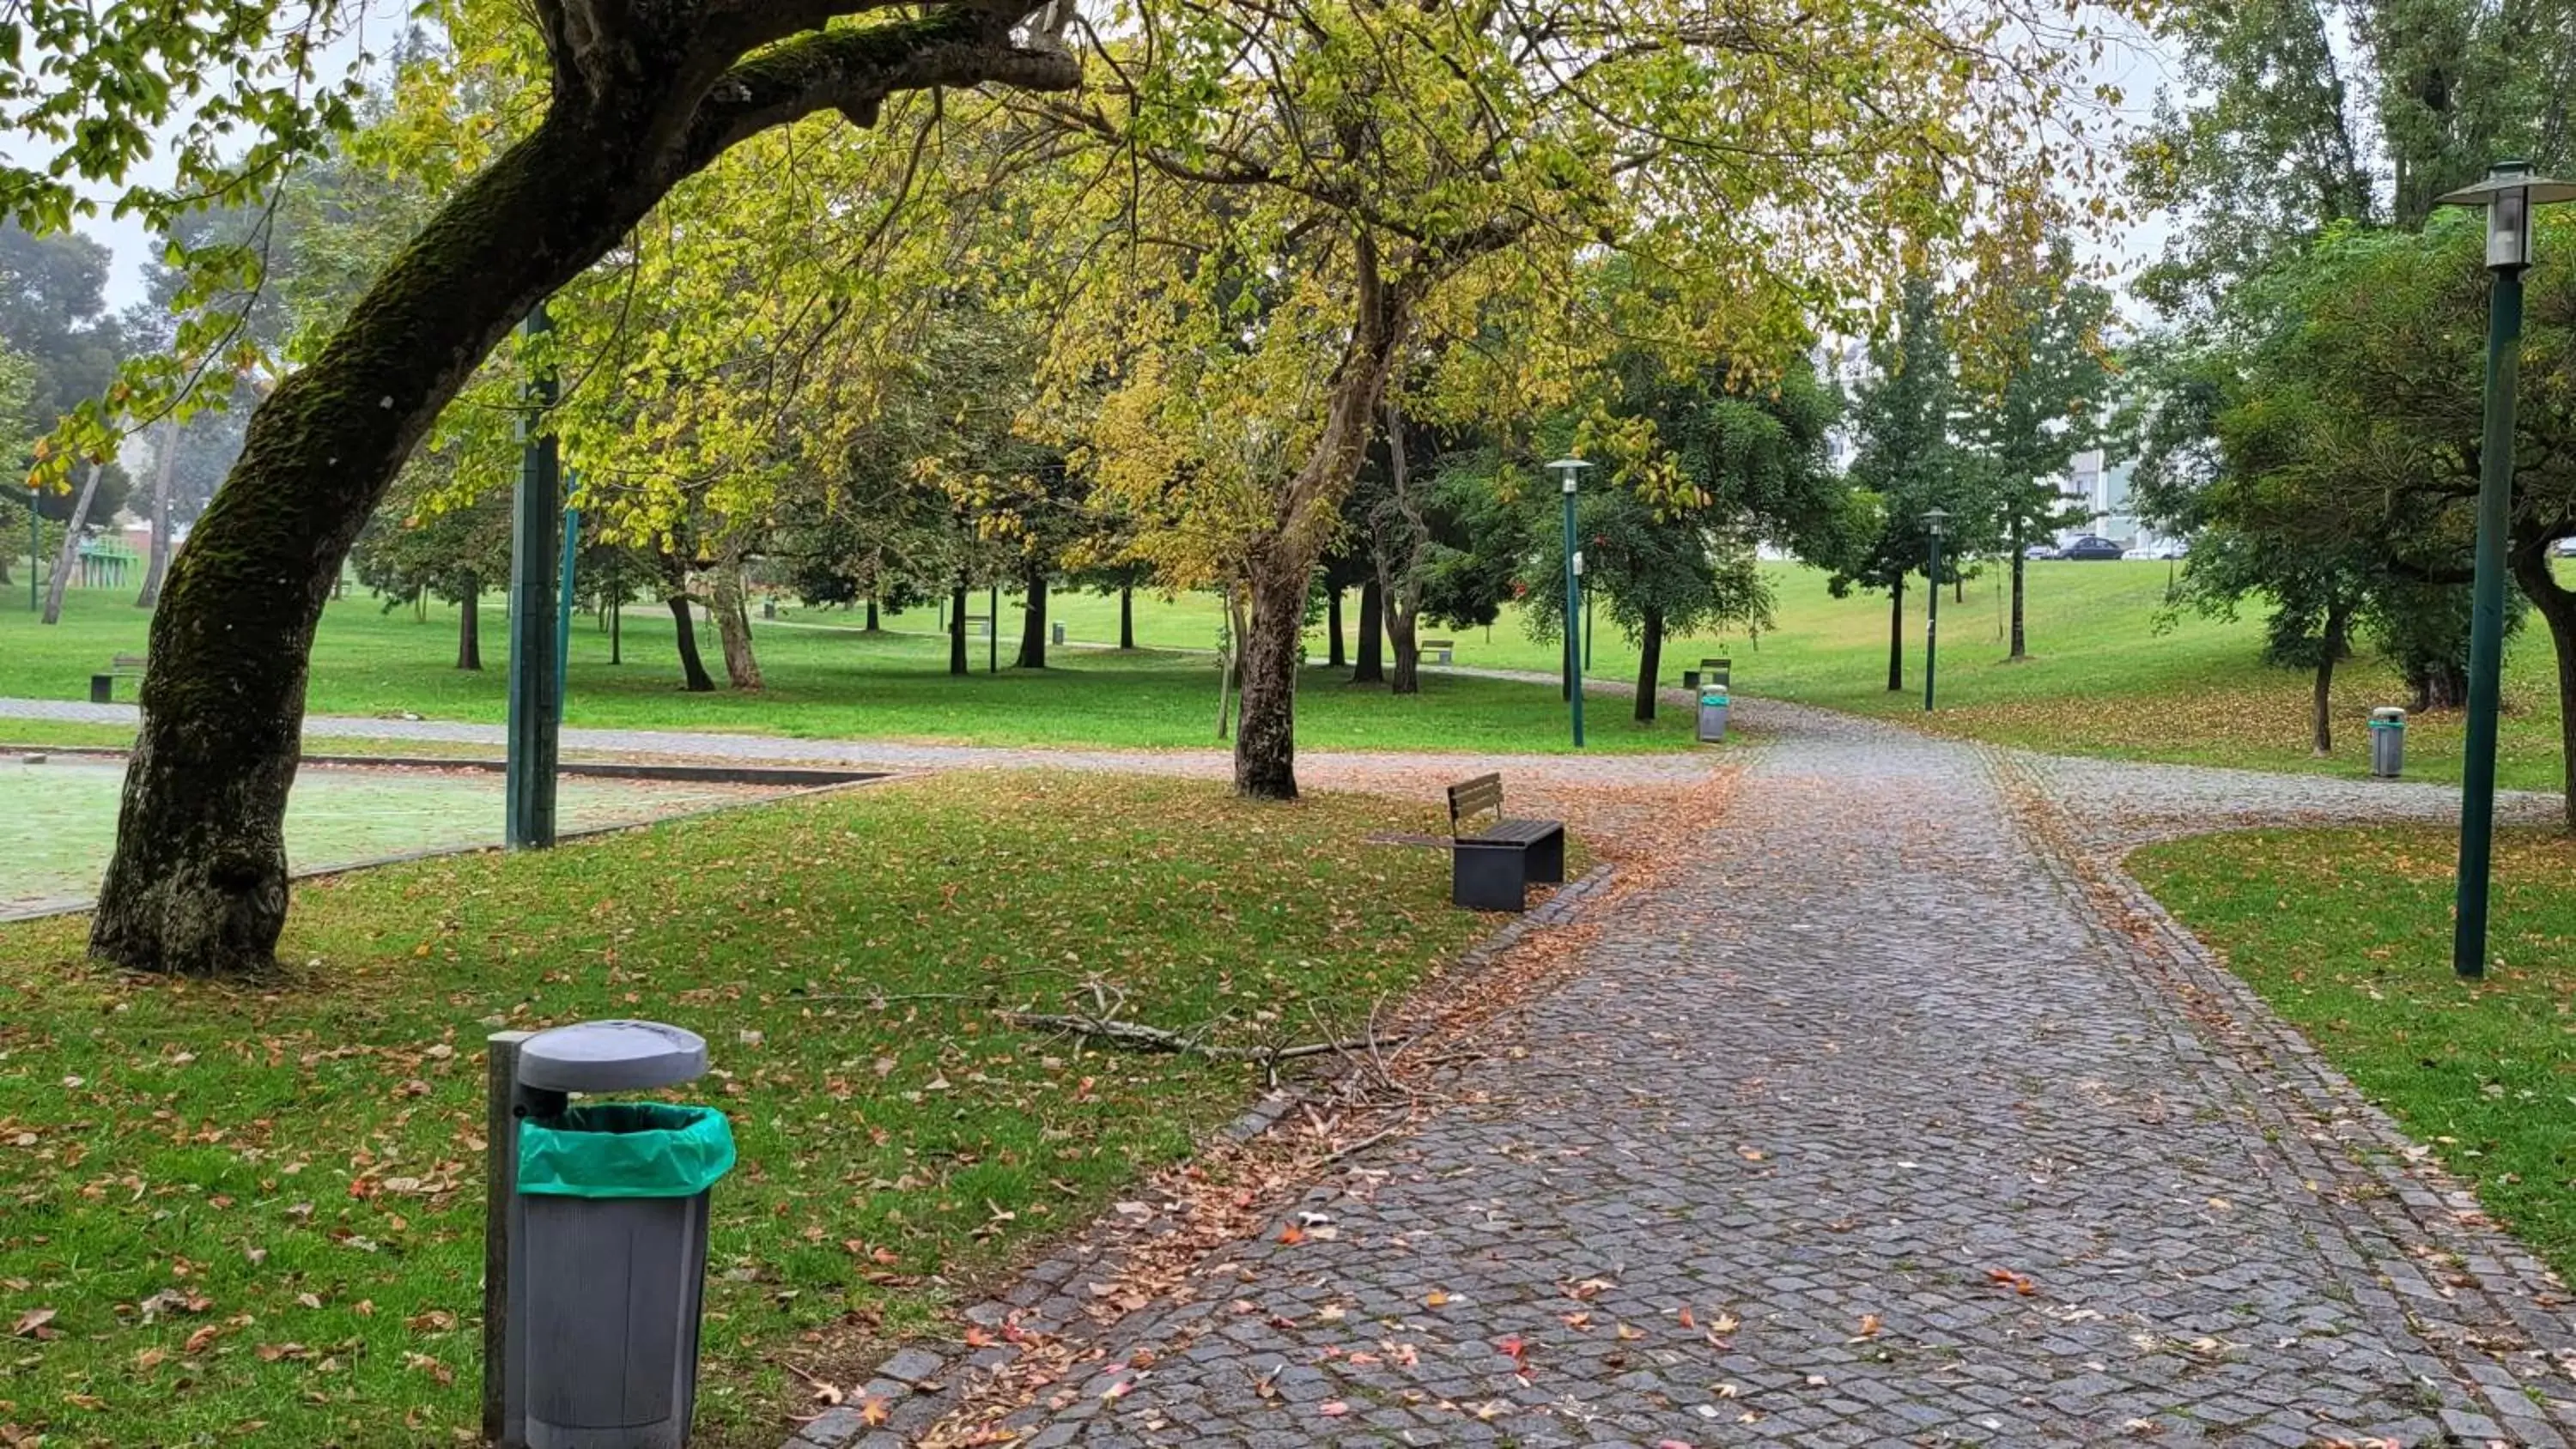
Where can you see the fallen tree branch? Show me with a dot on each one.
(1138, 1037)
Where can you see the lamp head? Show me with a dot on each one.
(2509, 193)
(1568, 470)
(1935, 522)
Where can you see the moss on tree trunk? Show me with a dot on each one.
(1265, 740)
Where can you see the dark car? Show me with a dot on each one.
(2091, 546)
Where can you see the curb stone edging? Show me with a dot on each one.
(915, 1382)
(2424, 1256)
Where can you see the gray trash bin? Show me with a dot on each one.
(1712, 716)
(608, 1238)
(1059, 633)
(2387, 742)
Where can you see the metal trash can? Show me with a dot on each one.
(769, 608)
(606, 1239)
(1059, 633)
(1712, 716)
(2387, 742)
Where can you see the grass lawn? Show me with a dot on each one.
(58, 819)
(832, 682)
(254, 1214)
(2104, 678)
(2347, 933)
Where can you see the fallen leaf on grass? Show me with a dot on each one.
(198, 1340)
(31, 1324)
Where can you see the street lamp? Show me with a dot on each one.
(1935, 523)
(1568, 470)
(2509, 193)
(35, 546)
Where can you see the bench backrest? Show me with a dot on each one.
(126, 661)
(1478, 796)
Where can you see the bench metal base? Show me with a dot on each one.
(1495, 875)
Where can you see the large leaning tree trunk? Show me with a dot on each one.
(957, 629)
(157, 567)
(1282, 566)
(2557, 605)
(643, 95)
(68, 558)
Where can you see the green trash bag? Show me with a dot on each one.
(625, 1149)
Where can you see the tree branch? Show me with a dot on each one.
(853, 71)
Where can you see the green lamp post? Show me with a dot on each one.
(1568, 472)
(1935, 523)
(35, 548)
(528, 775)
(2509, 193)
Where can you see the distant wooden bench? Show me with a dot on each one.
(1434, 651)
(102, 686)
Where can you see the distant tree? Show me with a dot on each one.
(1909, 461)
(431, 538)
(2046, 384)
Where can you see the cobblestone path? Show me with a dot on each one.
(1861, 1130)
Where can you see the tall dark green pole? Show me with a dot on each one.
(563, 604)
(35, 549)
(993, 631)
(1573, 615)
(536, 508)
(1931, 619)
(2486, 623)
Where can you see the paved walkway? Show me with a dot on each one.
(1864, 1130)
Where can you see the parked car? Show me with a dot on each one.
(2564, 548)
(2039, 550)
(2173, 548)
(2137, 555)
(2091, 546)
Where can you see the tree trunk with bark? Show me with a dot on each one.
(1403, 636)
(1371, 667)
(469, 626)
(2321, 704)
(2020, 561)
(733, 627)
(1336, 656)
(1126, 617)
(68, 558)
(2557, 607)
(156, 566)
(957, 629)
(1033, 623)
(872, 617)
(641, 98)
(1896, 635)
(1650, 663)
(1265, 740)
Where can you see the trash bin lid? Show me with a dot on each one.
(611, 1056)
(2387, 712)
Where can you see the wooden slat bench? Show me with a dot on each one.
(1491, 869)
(102, 686)
(1434, 651)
